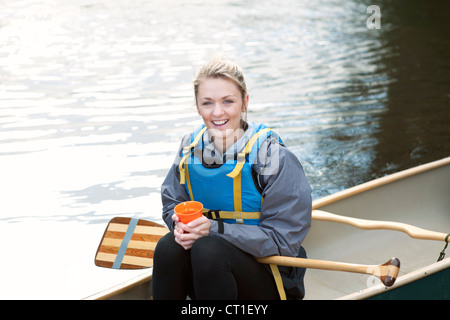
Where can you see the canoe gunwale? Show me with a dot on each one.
(122, 287)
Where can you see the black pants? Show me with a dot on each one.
(212, 269)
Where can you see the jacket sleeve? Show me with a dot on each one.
(286, 209)
(172, 192)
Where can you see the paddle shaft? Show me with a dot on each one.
(412, 231)
(386, 272)
(317, 264)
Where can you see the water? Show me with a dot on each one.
(95, 96)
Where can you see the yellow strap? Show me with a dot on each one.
(241, 156)
(181, 165)
(233, 214)
(186, 154)
(278, 281)
(198, 137)
(191, 195)
(237, 193)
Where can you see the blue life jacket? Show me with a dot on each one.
(226, 190)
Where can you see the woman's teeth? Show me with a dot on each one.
(219, 123)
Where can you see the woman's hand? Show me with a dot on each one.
(187, 234)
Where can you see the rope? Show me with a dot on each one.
(442, 254)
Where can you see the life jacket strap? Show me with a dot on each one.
(186, 154)
(236, 173)
(220, 214)
(278, 281)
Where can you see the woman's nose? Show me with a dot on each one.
(218, 110)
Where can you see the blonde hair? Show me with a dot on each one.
(219, 67)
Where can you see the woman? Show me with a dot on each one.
(256, 198)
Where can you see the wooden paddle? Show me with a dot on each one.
(412, 231)
(129, 243)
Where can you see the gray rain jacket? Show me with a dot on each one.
(285, 214)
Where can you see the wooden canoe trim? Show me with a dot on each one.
(122, 287)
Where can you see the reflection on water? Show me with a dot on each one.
(416, 126)
(95, 95)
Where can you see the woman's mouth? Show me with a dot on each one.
(219, 123)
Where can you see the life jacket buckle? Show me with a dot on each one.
(238, 217)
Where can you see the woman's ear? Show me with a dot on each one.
(245, 103)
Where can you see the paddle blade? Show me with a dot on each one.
(389, 272)
(129, 243)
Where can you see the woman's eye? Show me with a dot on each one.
(206, 103)
(228, 101)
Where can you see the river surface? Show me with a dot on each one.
(95, 96)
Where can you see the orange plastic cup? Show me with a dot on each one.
(188, 211)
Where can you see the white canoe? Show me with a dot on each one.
(419, 196)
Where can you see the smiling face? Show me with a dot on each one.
(220, 104)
